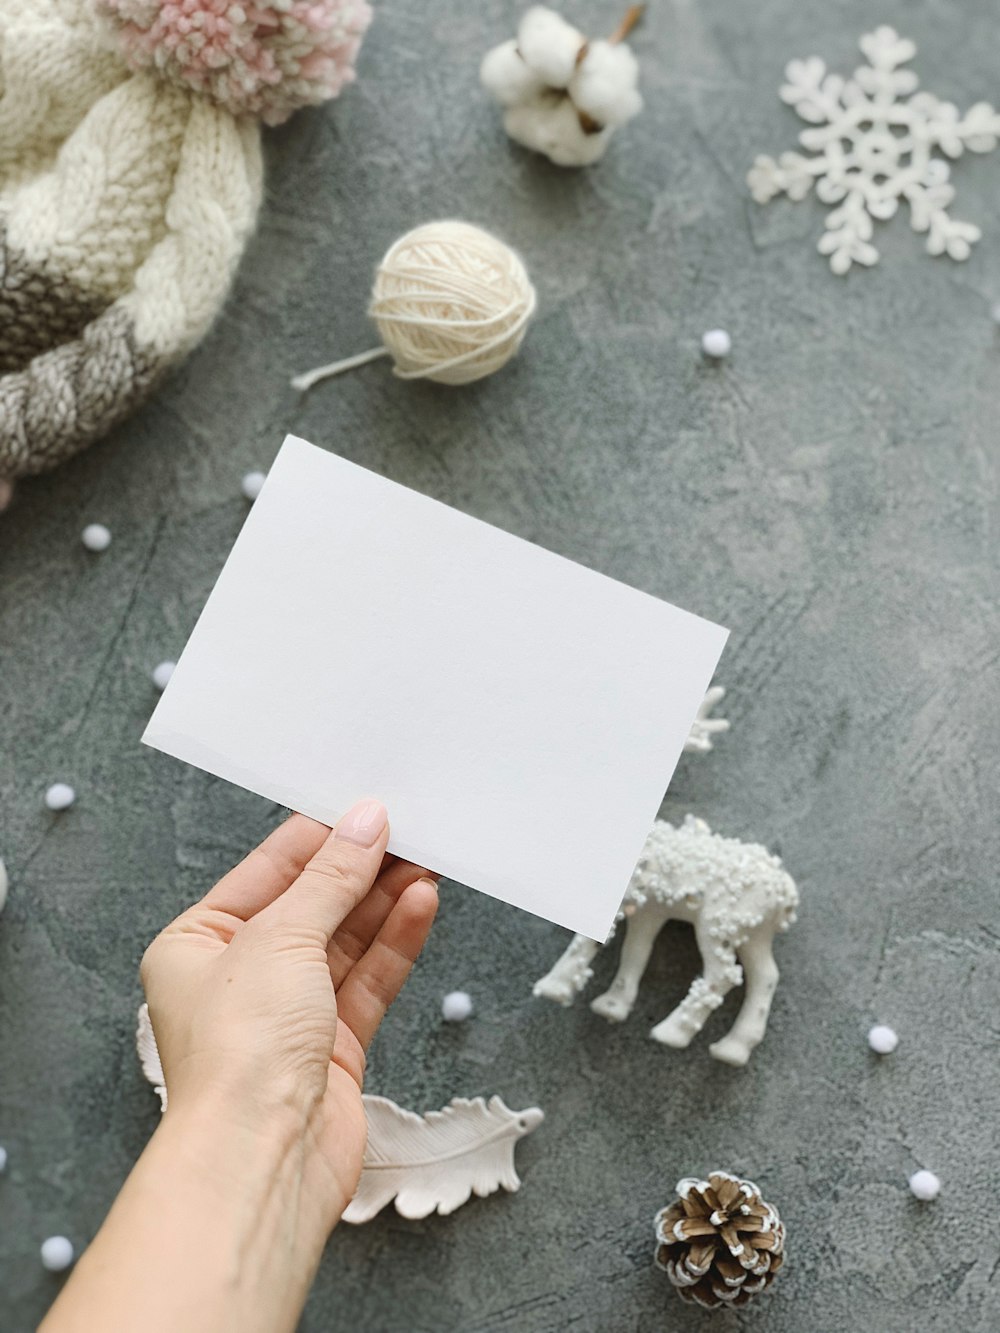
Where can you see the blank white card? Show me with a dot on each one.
(519, 715)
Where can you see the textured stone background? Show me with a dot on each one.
(830, 493)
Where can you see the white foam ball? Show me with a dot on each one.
(57, 1253)
(162, 674)
(925, 1185)
(252, 483)
(716, 343)
(549, 45)
(456, 1006)
(882, 1039)
(96, 537)
(3, 1158)
(60, 796)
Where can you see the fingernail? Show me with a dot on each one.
(363, 823)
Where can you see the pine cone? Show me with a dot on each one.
(719, 1243)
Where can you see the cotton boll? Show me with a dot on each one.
(4, 883)
(57, 1253)
(564, 95)
(549, 45)
(925, 1186)
(604, 85)
(504, 74)
(60, 796)
(456, 1006)
(3, 1159)
(96, 537)
(549, 124)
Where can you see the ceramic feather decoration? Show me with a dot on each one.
(436, 1162)
(427, 1163)
(149, 1056)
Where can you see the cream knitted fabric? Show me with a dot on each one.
(126, 199)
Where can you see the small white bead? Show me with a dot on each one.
(3, 1159)
(882, 1039)
(57, 1253)
(251, 484)
(456, 1006)
(716, 343)
(96, 537)
(924, 1185)
(162, 674)
(60, 796)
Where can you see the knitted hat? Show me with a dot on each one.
(130, 176)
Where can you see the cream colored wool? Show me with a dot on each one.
(451, 303)
(125, 203)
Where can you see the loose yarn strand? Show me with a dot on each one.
(311, 377)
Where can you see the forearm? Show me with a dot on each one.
(219, 1227)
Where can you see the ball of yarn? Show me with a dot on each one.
(254, 58)
(451, 303)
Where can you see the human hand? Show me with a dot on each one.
(265, 995)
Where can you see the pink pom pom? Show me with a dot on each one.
(264, 59)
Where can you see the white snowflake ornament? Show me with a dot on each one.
(874, 143)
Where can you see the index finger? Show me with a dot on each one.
(338, 875)
(269, 869)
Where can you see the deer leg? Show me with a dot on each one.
(570, 974)
(762, 979)
(721, 973)
(643, 926)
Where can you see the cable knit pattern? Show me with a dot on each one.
(36, 309)
(126, 197)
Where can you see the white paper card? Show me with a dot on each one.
(519, 715)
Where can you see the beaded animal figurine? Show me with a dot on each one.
(735, 894)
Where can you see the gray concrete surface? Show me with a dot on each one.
(830, 493)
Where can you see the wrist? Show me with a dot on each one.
(262, 1155)
(220, 1225)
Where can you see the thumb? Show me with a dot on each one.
(340, 874)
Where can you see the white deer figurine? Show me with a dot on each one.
(735, 894)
